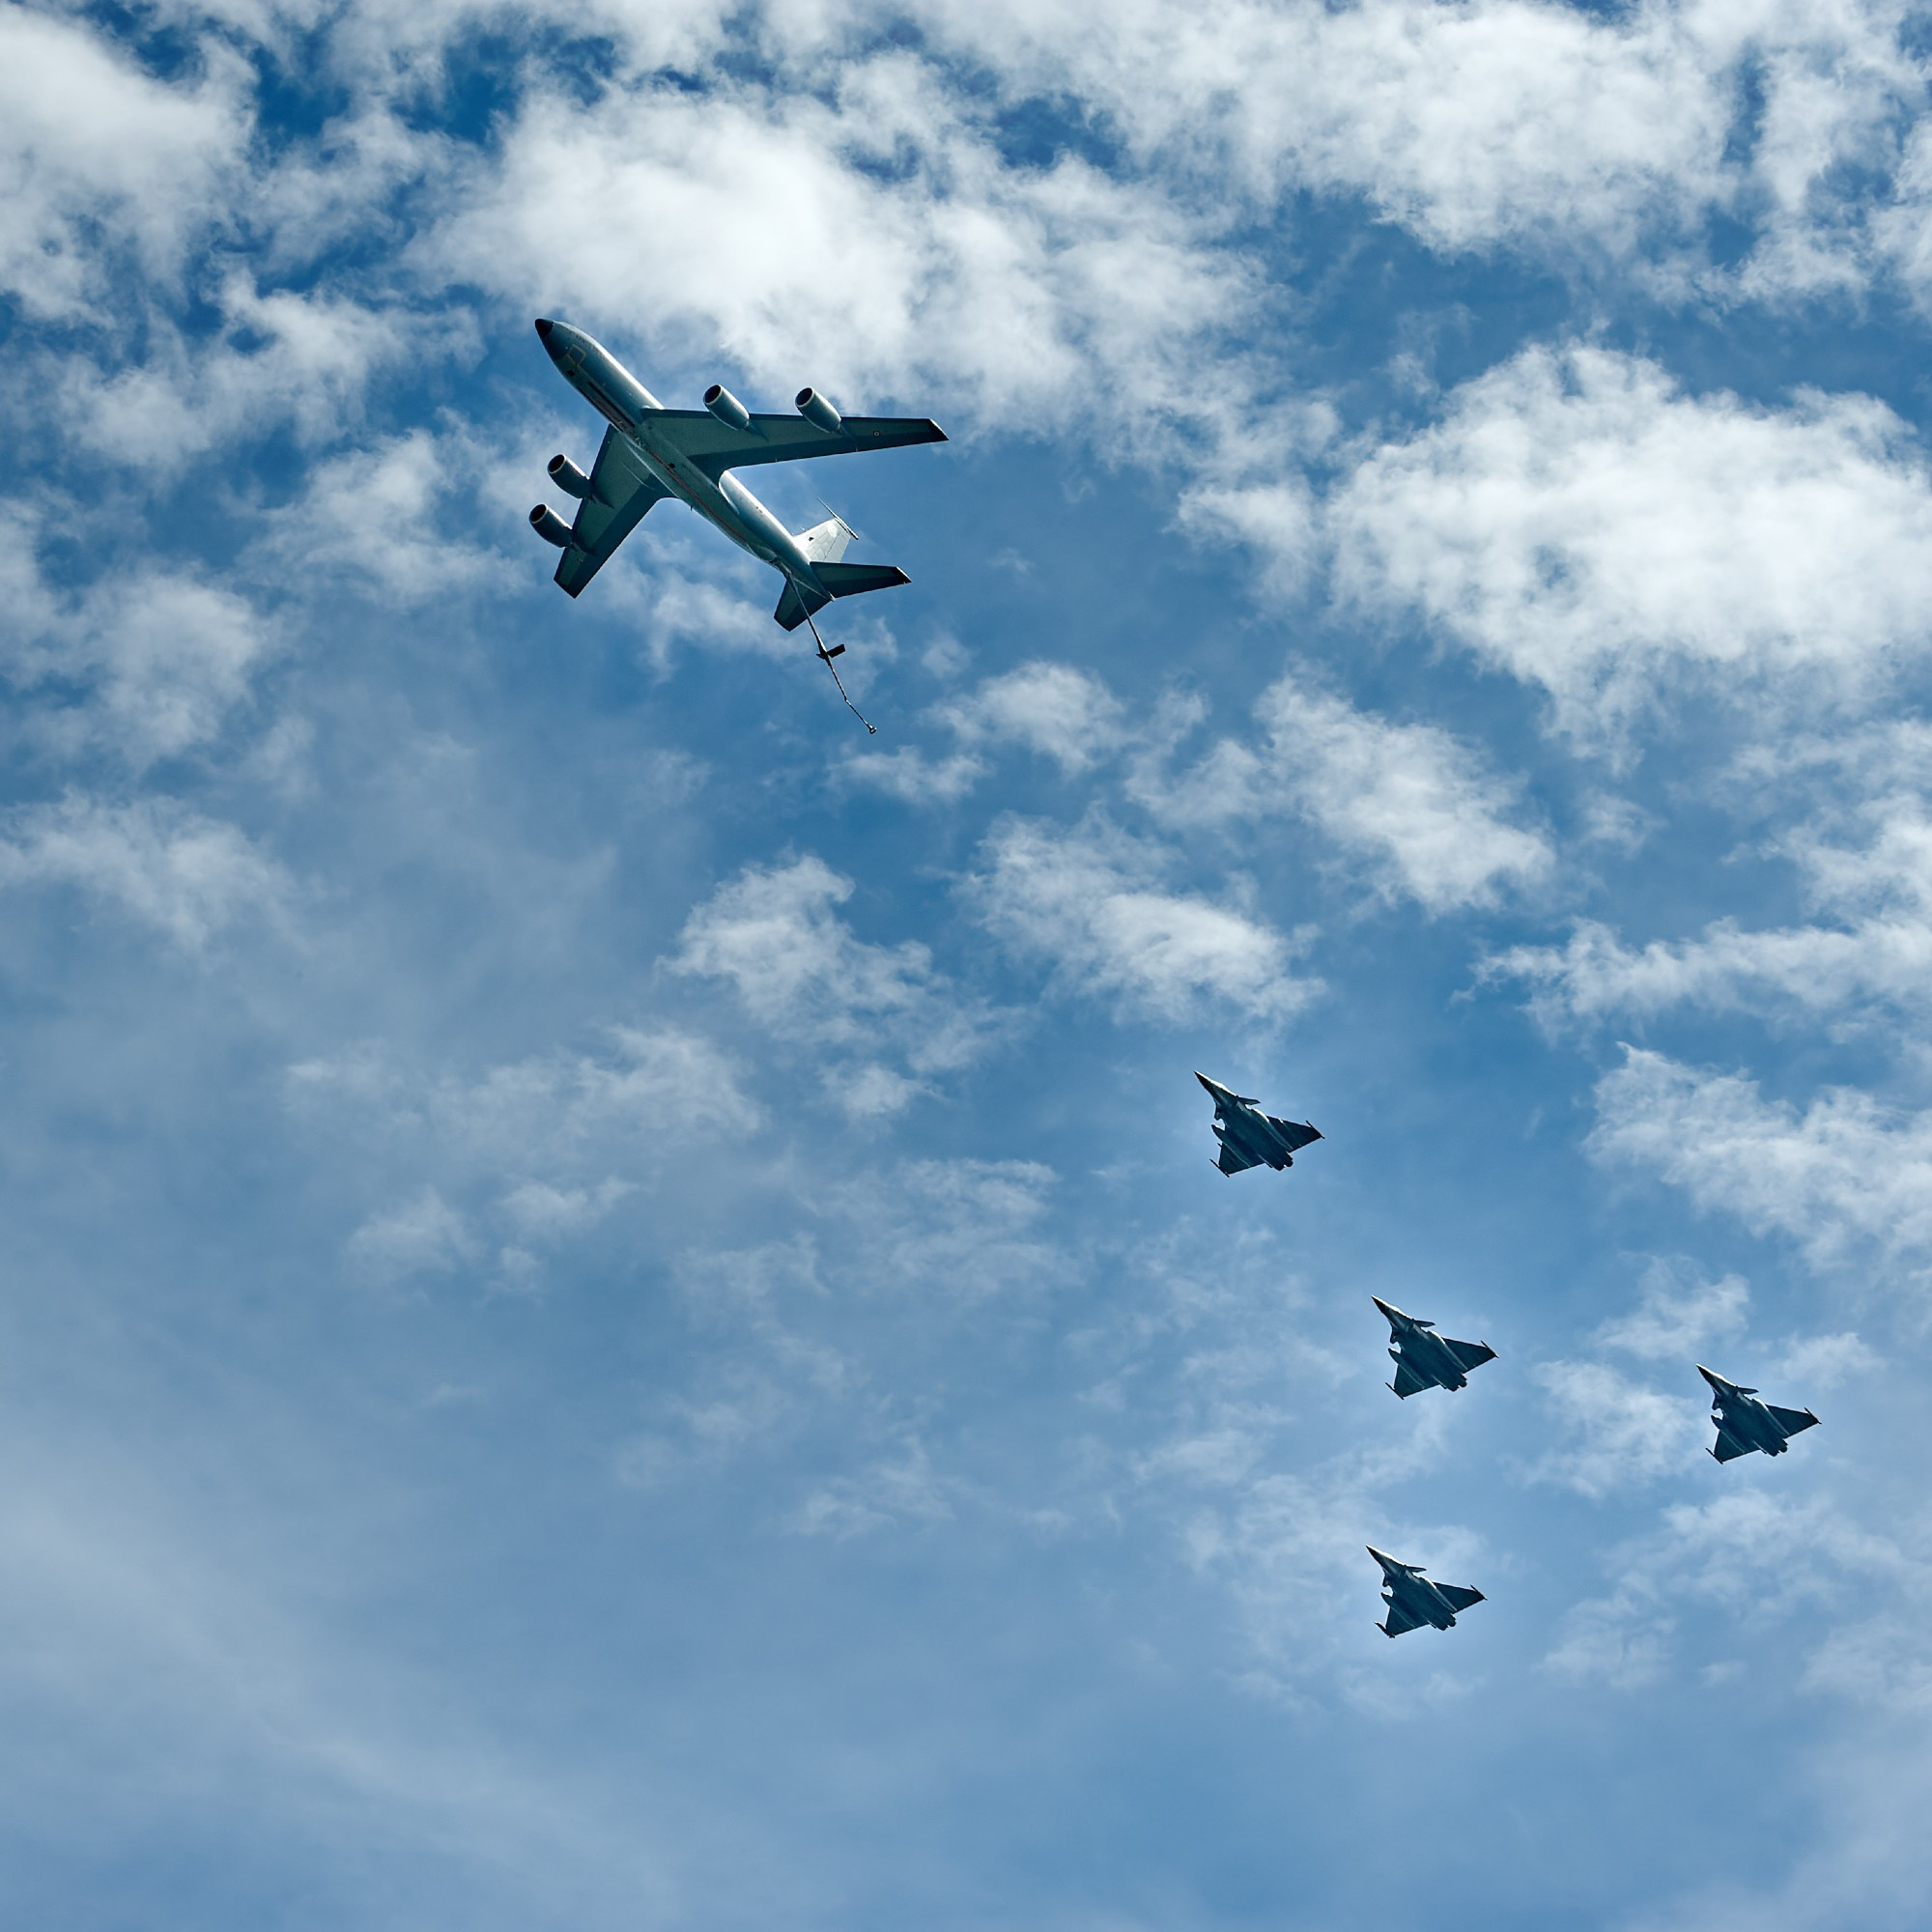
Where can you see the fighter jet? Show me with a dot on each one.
(1413, 1600)
(1743, 1423)
(650, 452)
(1425, 1359)
(1251, 1138)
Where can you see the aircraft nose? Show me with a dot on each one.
(543, 326)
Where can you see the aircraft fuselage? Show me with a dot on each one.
(627, 406)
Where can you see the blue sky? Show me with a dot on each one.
(616, 1311)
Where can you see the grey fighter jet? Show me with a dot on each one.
(1745, 1423)
(1425, 1359)
(1251, 1138)
(650, 452)
(1413, 1600)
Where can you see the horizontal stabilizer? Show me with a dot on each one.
(1792, 1420)
(854, 580)
(1459, 1599)
(796, 606)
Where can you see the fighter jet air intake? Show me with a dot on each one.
(650, 452)
(1745, 1423)
(1413, 1600)
(1422, 1358)
(1251, 1138)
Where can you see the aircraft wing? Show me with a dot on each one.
(1792, 1420)
(1460, 1597)
(715, 446)
(621, 490)
(1399, 1620)
(1298, 1134)
(1471, 1355)
(1728, 1446)
(1407, 1382)
(1233, 1161)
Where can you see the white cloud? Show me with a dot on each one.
(899, 1490)
(423, 1236)
(189, 876)
(98, 158)
(1877, 948)
(955, 1231)
(1845, 1174)
(1055, 709)
(384, 516)
(160, 657)
(1411, 802)
(1677, 1316)
(802, 974)
(545, 1212)
(1581, 524)
(553, 1115)
(1752, 1554)
(1545, 128)
(1614, 1434)
(873, 241)
(1089, 904)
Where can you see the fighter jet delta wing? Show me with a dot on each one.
(1298, 1134)
(1398, 1621)
(1792, 1420)
(1729, 1447)
(1233, 1161)
(1471, 1355)
(1407, 1383)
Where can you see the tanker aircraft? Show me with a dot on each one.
(1745, 1423)
(650, 452)
(1422, 1358)
(1413, 1600)
(1251, 1138)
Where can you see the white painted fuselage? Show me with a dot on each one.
(627, 406)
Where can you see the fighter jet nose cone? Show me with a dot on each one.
(543, 326)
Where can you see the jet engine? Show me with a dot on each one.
(568, 478)
(549, 525)
(817, 412)
(726, 406)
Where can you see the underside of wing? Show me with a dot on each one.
(1460, 1596)
(621, 490)
(1233, 1161)
(1792, 1420)
(716, 446)
(1298, 1134)
(1407, 1382)
(1471, 1355)
(1399, 1620)
(1729, 1447)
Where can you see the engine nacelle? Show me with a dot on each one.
(817, 412)
(568, 478)
(549, 525)
(726, 406)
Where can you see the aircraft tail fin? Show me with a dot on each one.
(826, 542)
